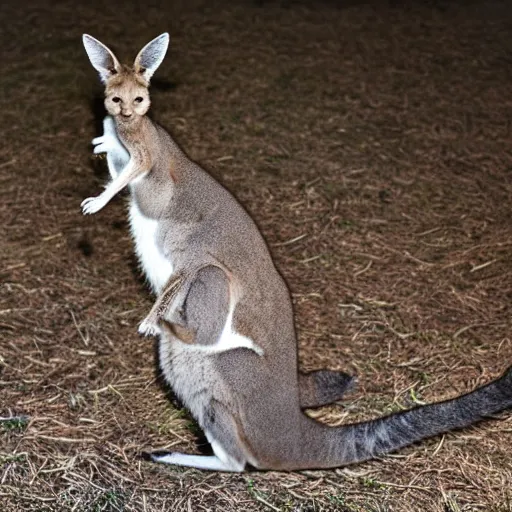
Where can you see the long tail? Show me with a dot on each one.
(338, 446)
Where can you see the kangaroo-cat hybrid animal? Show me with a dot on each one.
(224, 315)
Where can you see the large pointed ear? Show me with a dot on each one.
(101, 57)
(151, 56)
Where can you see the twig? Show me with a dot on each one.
(84, 338)
(291, 241)
(483, 265)
(464, 329)
(359, 272)
(14, 418)
(265, 502)
(65, 439)
(403, 486)
(313, 258)
(9, 162)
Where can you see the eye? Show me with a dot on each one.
(116, 99)
(139, 99)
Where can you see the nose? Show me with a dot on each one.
(126, 112)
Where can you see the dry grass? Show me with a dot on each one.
(372, 145)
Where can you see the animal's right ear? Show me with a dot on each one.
(151, 56)
(103, 60)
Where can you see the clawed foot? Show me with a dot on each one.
(149, 327)
(93, 204)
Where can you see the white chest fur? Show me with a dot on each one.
(157, 267)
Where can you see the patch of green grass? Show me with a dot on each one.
(415, 398)
(9, 458)
(258, 495)
(174, 419)
(394, 407)
(371, 483)
(346, 224)
(105, 500)
(14, 424)
(338, 500)
(423, 377)
(250, 486)
(109, 501)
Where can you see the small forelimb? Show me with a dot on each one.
(163, 304)
(127, 175)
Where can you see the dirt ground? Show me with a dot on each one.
(371, 141)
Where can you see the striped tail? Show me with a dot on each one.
(338, 446)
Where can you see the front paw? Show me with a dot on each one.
(92, 205)
(109, 140)
(148, 327)
(104, 144)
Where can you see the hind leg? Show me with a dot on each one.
(206, 462)
(322, 387)
(222, 432)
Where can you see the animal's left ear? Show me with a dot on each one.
(151, 56)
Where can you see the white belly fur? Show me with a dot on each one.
(156, 266)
